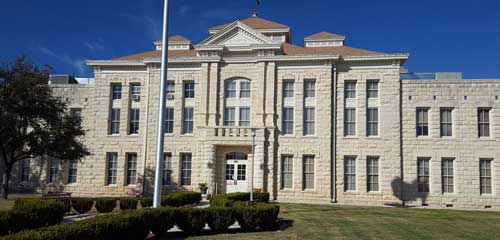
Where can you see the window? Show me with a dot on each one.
(446, 122)
(186, 169)
(244, 117)
(372, 89)
(166, 178)
(447, 174)
(245, 90)
(25, 170)
(483, 120)
(308, 168)
(309, 88)
(350, 89)
(229, 116)
(372, 122)
(309, 121)
(230, 172)
(135, 92)
(131, 168)
(350, 122)
(116, 91)
(170, 88)
(350, 173)
(372, 172)
(112, 168)
(187, 127)
(422, 122)
(231, 89)
(485, 176)
(241, 174)
(169, 120)
(286, 172)
(53, 170)
(287, 121)
(288, 89)
(72, 171)
(134, 121)
(189, 90)
(115, 121)
(423, 175)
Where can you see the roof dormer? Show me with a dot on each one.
(176, 42)
(324, 39)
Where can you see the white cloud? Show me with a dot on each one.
(76, 63)
(150, 26)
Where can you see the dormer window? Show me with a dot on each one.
(324, 39)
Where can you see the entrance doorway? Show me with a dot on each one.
(236, 172)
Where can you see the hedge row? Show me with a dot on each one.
(177, 199)
(137, 224)
(229, 199)
(31, 214)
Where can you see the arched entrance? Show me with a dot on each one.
(236, 172)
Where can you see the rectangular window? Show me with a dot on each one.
(131, 168)
(72, 171)
(53, 170)
(350, 122)
(350, 173)
(446, 122)
(115, 121)
(288, 89)
(350, 89)
(372, 172)
(185, 169)
(187, 126)
(241, 174)
(485, 176)
(483, 120)
(423, 175)
(422, 122)
(372, 122)
(372, 89)
(309, 121)
(169, 120)
(229, 116)
(170, 88)
(112, 165)
(286, 172)
(245, 90)
(309, 88)
(167, 169)
(230, 172)
(135, 92)
(231, 89)
(308, 168)
(134, 121)
(189, 90)
(287, 121)
(244, 117)
(447, 174)
(25, 170)
(116, 91)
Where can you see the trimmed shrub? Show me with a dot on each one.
(105, 205)
(159, 220)
(146, 202)
(182, 198)
(191, 220)
(219, 219)
(128, 203)
(218, 201)
(31, 214)
(66, 203)
(82, 205)
(257, 215)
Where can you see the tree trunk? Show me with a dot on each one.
(5, 182)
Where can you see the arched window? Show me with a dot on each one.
(237, 102)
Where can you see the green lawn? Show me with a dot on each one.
(346, 222)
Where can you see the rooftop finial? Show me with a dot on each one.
(257, 3)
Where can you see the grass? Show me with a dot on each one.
(348, 222)
(9, 203)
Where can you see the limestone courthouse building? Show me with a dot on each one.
(330, 123)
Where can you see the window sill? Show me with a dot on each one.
(286, 190)
(111, 185)
(424, 137)
(373, 137)
(114, 135)
(309, 190)
(309, 136)
(350, 137)
(487, 139)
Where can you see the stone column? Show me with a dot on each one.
(258, 96)
(213, 76)
(202, 93)
(270, 96)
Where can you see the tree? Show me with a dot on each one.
(33, 122)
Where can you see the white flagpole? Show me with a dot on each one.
(161, 110)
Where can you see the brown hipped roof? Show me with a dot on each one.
(324, 35)
(157, 54)
(290, 49)
(256, 23)
(178, 38)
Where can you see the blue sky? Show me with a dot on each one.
(440, 35)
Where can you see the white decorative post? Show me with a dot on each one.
(253, 160)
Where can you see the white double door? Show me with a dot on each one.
(236, 176)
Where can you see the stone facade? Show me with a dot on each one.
(384, 169)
